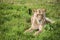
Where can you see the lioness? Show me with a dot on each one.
(38, 20)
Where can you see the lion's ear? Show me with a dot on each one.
(44, 10)
(34, 10)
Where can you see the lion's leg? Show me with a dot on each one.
(31, 29)
(49, 20)
(39, 31)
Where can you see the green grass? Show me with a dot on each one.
(15, 19)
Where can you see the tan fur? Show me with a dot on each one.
(38, 20)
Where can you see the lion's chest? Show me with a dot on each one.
(40, 22)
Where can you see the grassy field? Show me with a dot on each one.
(15, 19)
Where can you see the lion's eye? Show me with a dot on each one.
(38, 14)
